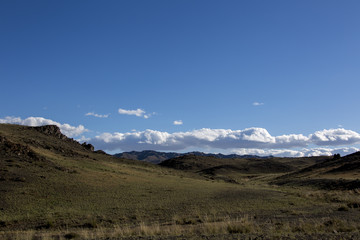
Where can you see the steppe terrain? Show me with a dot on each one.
(52, 187)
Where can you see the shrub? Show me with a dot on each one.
(72, 236)
(343, 208)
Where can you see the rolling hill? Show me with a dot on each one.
(235, 169)
(334, 173)
(157, 157)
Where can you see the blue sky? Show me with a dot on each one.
(202, 63)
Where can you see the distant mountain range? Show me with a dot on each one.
(158, 157)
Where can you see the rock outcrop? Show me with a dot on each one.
(101, 152)
(51, 130)
(9, 148)
(88, 146)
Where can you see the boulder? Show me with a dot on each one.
(88, 146)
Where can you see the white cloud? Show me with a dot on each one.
(257, 103)
(305, 152)
(83, 139)
(65, 128)
(334, 137)
(226, 139)
(97, 115)
(268, 152)
(178, 122)
(138, 112)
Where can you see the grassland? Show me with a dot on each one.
(54, 188)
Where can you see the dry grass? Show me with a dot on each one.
(241, 225)
(345, 200)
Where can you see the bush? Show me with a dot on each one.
(343, 208)
(71, 236)
(238, 229)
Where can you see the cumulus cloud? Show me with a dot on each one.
(97, 115)
(257, 103)
(65, 128)
(339, 136)
(206, 138)
(178, 122)
(138, 112)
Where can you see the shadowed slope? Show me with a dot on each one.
(158, 157)
(242, 165)
(334, 173)
(229, 170)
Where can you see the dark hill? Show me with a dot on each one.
(157, 157)
(348, 165)
(333, 173)
(148, 156)
(228, 169)
(244, 165)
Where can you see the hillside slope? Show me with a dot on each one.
(334, 173)
(347, 166)
(233, 170)
(243, 165)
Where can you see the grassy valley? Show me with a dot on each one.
(52, 187)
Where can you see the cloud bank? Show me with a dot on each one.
(138, 112)
(305, 152)
(226, 139)
(66, 129)
(255, 141)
